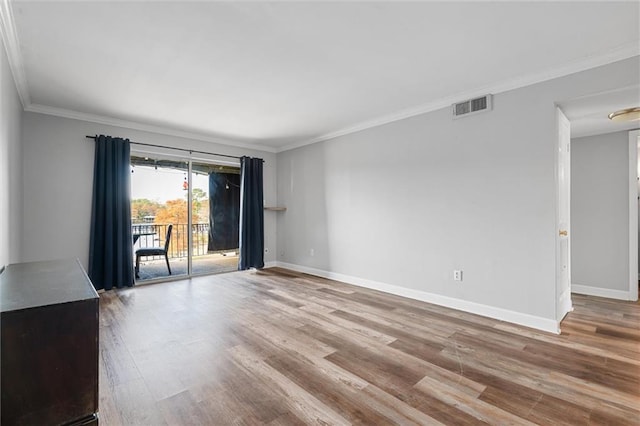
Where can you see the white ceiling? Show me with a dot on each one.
(281, 74)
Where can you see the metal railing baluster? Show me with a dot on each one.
(178, 246)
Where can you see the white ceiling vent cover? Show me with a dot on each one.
(472, 106)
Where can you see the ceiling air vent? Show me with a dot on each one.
(472, 106)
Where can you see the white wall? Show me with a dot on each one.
(58, 179)
(402, 205)
(10, 164)
(600, 212)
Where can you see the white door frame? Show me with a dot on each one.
(634, 140)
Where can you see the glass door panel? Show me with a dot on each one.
(159, 216)
(216, 209)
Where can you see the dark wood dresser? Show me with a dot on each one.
(49, 344)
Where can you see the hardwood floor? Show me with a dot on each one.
(277, 347)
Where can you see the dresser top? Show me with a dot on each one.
(36, 284)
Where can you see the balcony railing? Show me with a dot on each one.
(154, 235)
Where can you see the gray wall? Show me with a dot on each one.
(600, 211)
(408, 202)
(58, 176)
(10, 164)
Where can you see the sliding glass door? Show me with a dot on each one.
(216, 206)
(159, 216)
(192, 204)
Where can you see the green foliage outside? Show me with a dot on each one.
(141, 208)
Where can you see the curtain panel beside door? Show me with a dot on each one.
(251, 214)
(110, 249)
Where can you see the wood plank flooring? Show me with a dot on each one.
(277, 347)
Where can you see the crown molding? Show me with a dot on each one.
(12, 45)
(623, 52)
(109, 121)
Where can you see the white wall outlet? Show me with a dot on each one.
(312, 252)
(266, 250)
(457, 275)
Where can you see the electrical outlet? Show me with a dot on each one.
(266, 250)
(457, 275)
(312, 252)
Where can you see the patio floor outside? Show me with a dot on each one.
(214, 263)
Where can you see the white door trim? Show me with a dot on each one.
(634, 138)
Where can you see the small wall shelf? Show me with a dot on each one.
(276, 209)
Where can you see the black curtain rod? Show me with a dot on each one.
(190, 151)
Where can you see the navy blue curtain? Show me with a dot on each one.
(224, 211)
(251, 214)
(111, 248)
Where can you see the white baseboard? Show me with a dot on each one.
(526, 320)
(600, 292)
